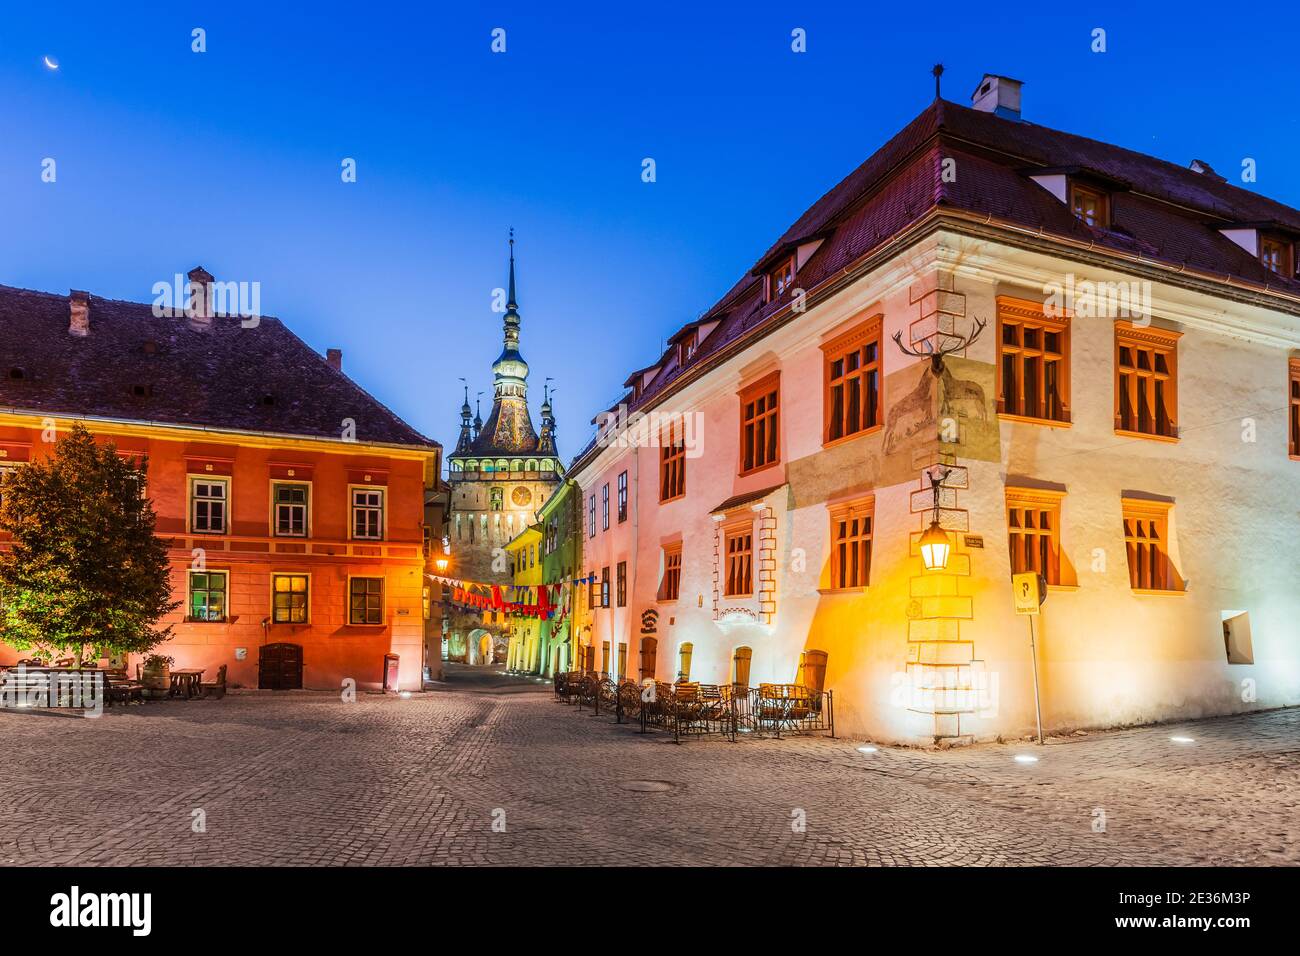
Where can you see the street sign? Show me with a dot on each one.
(1028, 597)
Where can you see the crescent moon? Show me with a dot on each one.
(51, 63)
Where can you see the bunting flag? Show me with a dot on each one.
(544, 601)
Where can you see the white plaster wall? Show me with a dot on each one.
(1107, 656)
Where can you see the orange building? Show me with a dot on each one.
(293, 500)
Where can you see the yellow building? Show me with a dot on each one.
(526, 572)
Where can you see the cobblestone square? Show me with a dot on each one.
(306, 779)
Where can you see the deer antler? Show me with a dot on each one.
(958, 343)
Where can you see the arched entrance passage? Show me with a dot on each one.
(480, 647)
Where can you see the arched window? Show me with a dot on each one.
(503, 465)
(532, 465)
(684, 663)
(487, 467)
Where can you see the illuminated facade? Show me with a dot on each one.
(292, 500)
(1122, 424)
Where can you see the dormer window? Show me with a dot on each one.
(1275, 255)
(687, 346)
(1088, 205)
(780, 280)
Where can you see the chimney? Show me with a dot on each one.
(79, 307)
(335, 358)
(999, 95)
(199, 306)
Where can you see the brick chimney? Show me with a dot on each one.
(999, 95)
(335, 358)
(199, 306)
(79, 309)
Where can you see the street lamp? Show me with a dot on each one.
(934, 543)
(441, 565)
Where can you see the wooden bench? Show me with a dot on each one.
(215, 689)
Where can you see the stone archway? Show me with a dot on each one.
(479, 647)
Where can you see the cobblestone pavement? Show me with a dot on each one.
(303, 778)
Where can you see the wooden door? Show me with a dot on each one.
(279, 667)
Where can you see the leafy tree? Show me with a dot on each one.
(84, 566)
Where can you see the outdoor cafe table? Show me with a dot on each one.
(185, 682)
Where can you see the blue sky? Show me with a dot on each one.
(231, 158)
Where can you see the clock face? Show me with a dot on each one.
(521, 496)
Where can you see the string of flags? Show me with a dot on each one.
(542, 601)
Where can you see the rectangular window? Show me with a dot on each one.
(1034, 532)
(604, 507)
(740, 562)
(687, 345)
(1293, 409)
(290, 509)
(208, 498)
(672, 462)
(1275, 255)
(851, 529)
(758, 424)
(622, 496)
(591, 517)
(368, 513)
(780, 280)
(1146, 381)
(672, 581)
(207, 596)
(852, 379)
(1033, 362)
(621, 584)
(289, 603)
(604, 587)
(366, 601)
(1088, 205)
(1146, 540)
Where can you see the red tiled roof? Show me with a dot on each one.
(258, 379)
(1169, 214)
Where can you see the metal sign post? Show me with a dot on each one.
(1030, 591)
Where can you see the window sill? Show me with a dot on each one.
(861, 589)
(845, 439)
(1031, 420)
(666, 600)
(201, 620)
(1165, 438)
(759, 469)
(738, 597)
(665, 501)
(1159, 591)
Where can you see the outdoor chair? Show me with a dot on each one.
(215, 689)
(118, 688)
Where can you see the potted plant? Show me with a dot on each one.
(156, 676)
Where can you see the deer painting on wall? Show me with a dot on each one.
(959, 398)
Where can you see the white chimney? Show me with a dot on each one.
(999, 95)
(79, 308)
(199, 307)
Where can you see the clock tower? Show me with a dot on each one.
(501, 472)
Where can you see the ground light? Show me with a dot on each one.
(405, 695)
(866, 750)
(1026, 758)
(1183, 740)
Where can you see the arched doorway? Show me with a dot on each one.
(740, 666)
(649, 652)
(479, 650)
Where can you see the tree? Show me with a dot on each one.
(84, 567)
